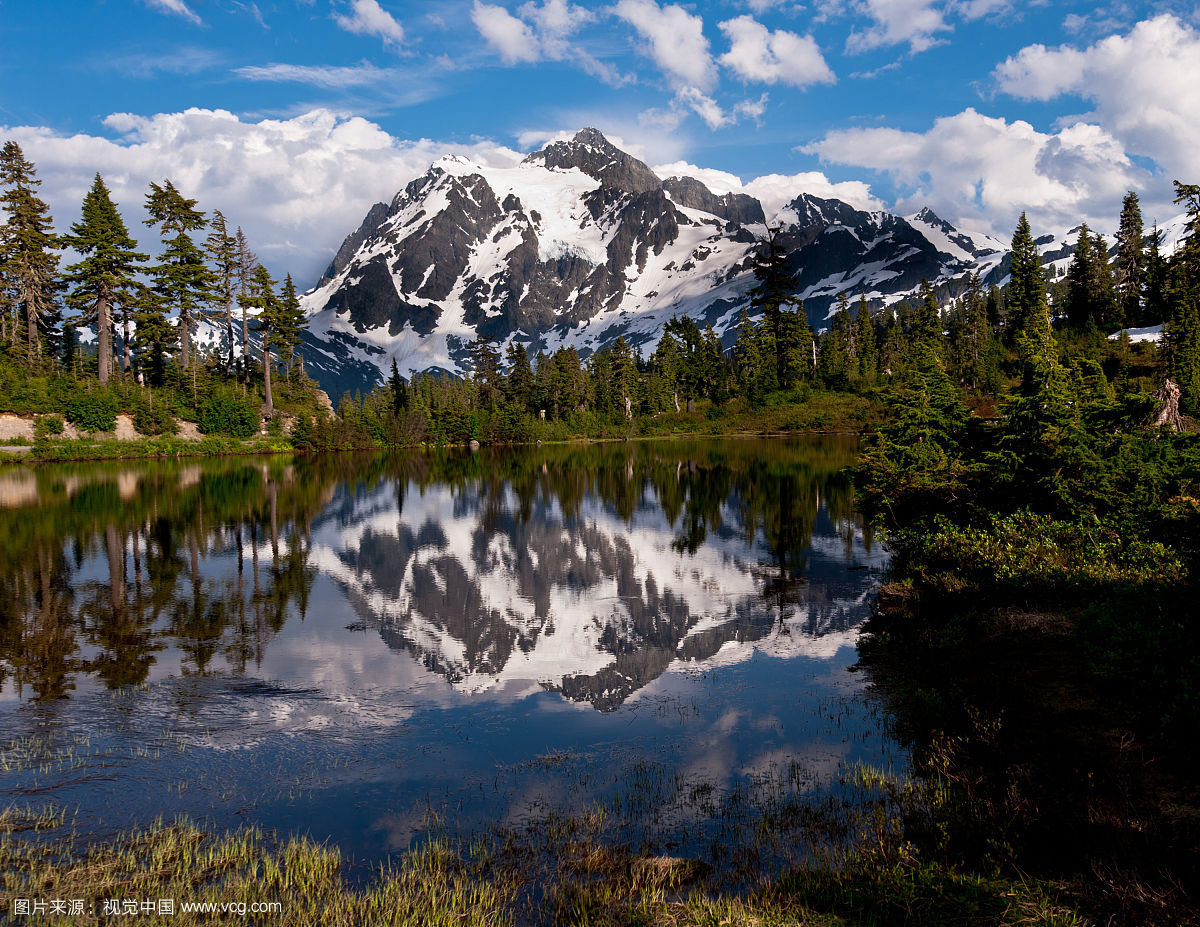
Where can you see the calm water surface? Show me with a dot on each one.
(361, 648)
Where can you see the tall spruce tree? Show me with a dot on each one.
(864, 340)
(1027, 285)
(1106, 307)
(1081, 307)
(290, 326)
(1156, 280)
(775, 289)
(221, 248)
(269, 309)
(247, 261)
(28, 262)
(1130, 263)
(182, 279)
(106, 277)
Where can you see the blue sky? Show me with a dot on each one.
(293, 116)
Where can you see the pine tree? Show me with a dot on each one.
(247, 261)
(182, 279)
(1156, 281)
(105, 278)
(776, 288)
(399, 391)
(291, 324)
(485, 370)
(622, 377)
(970, 336)
(269, 308)
(1080, 303)
(795, 347)
(1027, 284)
(222, 250)
(1130, 271)
(864, 340)
(519, 384)
(28, 262)
(1106, 308)
(748, 360)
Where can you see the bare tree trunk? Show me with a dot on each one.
(1166, 413)
(104, 345)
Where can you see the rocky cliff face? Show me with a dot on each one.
(581, 243)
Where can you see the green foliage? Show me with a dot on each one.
(47, 426)
(150, 419)
(225, 412)
(93, 409)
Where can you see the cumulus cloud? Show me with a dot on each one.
(756, 54)
(540, 33)
(177, 8)
(367, 17)
(1145, 86)
(297, 186)
(674, 39)
(898, 22)
(775, 191)
(984, 171)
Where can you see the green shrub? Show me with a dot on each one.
(226, 413)
(48, 425)
(93, 410)
(154, 420)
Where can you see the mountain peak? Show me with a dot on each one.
(593, 154)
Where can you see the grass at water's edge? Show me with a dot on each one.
(575, 879)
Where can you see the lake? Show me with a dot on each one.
(368, 649)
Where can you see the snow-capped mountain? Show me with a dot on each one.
(581, 243)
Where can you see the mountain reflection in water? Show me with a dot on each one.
(353, 646)
(587, 572)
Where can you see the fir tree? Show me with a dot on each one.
(247, 261)
(222, 251)
(1027, 285)
(290, 325)
(1106, 308)
(519, 384)
(399, 391)
(775, 289)
(485, 370)
(182, 279)
(269, 310)
(864, 340)
(28, 262)
(970, 337)
(1130, 270)
(1080, 303)
(105, 278)
(1156, 281)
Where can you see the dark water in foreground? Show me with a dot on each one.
(358, 647)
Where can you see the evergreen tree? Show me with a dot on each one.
(1027, 285)
(156, 336)
(247, 261)
(269, 321)
(182, 280)
(716, 369)
(970, 337)
(105, 277)
(795, 347)
(1183, 324)
(748, 360)
(222, 250)
(291, 323)
(864, 340)
(836, 354)
(622, 377)
(485, 370)
(667, 363)
(1130, 271)
(399, 391)
(1156, 281)
(1081, 307)
(519, 384)
(776, 287)
(28, 262)
(1106, 308)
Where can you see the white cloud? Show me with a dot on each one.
(369, 18)
(752, 109)
(675, 40)
(177, 8)
(897, 22)
(983, 171)
(775, 191)
(1145, 86)
(705, 107)
(298, 186)
(511, 37)
(978, 9)
(329, 77)
(541, 33)
(757, 54)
